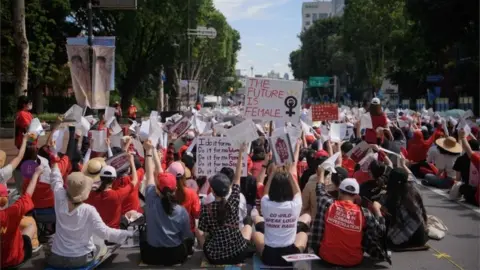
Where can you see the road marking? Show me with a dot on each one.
(441, 255)
(443, 193)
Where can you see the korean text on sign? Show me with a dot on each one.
(268, 99)
(325, 112)
(214, 153)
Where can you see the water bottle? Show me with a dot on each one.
(136, 238)
(130, 239)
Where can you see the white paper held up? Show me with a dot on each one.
(365, 121)
(99, 144)
(74, 113)
(36, 127)
(57, 136)
(244, 132)
(337, 132)
(329, 164)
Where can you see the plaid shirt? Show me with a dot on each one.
(373, 235)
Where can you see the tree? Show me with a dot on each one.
(21, 47)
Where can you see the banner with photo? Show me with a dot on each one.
(78, 57)
(103, 58)
(188, 93)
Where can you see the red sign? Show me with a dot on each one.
(325, 112)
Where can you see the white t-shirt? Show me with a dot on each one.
(242, 206)
(5, 174)
(74, 230)
(442, 161)
(281, 220)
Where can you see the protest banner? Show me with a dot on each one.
(325, 112)
(243, 132)
(359, 151)
(282, 149)
(214, 153)
(177, 129)
(119, 161)
(102, 72)
(268, 99)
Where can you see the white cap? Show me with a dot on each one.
(108, 171)
(190, 135)
(350, 185)
(375, 101)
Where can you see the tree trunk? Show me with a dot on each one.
(21, 47)
(160, 98)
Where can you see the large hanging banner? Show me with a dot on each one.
(78, 56)
(268, 99)
(103, 58)
(188, 93)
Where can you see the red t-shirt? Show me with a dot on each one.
(256, 168)
(132, 112)
(349, 165)
(42, 196)
(22, 121)
(342, 238)
(361, 177)
(302, 166)
(183, 149)
(371, 133)
(109, 204)
(12, 242)
(192, 205)
(131, 202)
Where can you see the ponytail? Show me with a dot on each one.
(168, 200)
(222, 212)
(180, 192)
(105, 182)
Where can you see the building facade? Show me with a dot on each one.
(337, 7)
(312, 11)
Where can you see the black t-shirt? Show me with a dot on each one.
(462, 165)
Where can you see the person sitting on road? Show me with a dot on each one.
(17, 243)
(108, 201)
(77, 222)
(474, 159)
(467, 174)
(443, 156)
(407, 219)
(222, 240)
(342, 230)
(282, 231)
(168, 223)
(185, 197)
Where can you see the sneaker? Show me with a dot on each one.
(37, 249)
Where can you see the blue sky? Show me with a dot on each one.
(268, 30)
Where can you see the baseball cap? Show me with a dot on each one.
(166, 180)
(108, 171)
(176, 168)
(190, 135)
(321, 153)
(375, 101)
(220, 184)
(350, 185)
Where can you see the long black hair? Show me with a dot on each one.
(222, 204)
(283, 189)
(400, 192)
(105, 181)
(168, 200)
(22, 101)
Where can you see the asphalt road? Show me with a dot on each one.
(460, 249)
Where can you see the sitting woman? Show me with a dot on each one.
(407, 222)
(168, 224)
(443, 155)
(17, 242)
(108, 201)
(77, 221)
(223, 242)
(283, 231)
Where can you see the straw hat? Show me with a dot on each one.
(449, 144)
(78, 187)
(93, 168)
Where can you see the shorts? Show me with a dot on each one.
(238, 259)
(301, 227)
(273, 256)
(168, 255)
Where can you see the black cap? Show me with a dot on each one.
(338, 177)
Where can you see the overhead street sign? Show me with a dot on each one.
(115, 4)
(318, 81)
(202, 31)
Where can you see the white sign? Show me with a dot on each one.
(214, 153)
(245, 132)
(120, 161)
(358, 152)
(99, 144)
(180, 127)
(268, 99)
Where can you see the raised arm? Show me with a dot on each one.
(238, 169)
(33, 183)
(149, 163)
(16, 160)
(466, 146)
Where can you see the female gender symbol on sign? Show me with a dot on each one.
(290, 103)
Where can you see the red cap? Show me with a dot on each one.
(166, 180)
(310, 139)
(321, 153)
(3, 191)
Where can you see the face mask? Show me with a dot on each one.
(29, 107)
